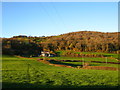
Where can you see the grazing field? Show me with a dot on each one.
(29, 73)
(85, 59)
(105, 54)
(93, 64)
(109, 57)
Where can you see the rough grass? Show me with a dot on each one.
(110, 57)
(85, 59)
(94, 64)
(105, 54)
(28, 73)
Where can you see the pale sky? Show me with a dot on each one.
(54, 18)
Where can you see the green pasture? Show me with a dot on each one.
(108, 57)
(79, 58)
(105, 54)
(85, 59)
(29, 73)
(75, 64)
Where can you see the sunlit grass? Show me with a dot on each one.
(29, 73)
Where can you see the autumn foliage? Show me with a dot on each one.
(83, 41)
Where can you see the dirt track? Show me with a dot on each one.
(84, 67)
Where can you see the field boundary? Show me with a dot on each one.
(88, 61)
(79, 67)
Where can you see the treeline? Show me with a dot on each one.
(72, 54)
(83, 41)
(20, 47)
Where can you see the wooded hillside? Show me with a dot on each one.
(76, 41)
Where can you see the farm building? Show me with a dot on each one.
(47, 54)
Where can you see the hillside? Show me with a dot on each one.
(86, 41)
(83, 41)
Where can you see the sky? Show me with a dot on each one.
(55, 18)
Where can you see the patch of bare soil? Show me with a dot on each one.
(100, 68)
(84, 67)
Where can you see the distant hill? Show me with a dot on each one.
(88, 41)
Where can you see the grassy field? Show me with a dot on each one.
(110, 57)
(105, 54)
(93, 64)
(29, 73)
(85, 59)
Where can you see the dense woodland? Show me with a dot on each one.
(83, 41)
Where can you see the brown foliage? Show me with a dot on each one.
(87, 41)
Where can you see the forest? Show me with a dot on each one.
(82, 41)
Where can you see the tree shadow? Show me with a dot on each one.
(8, 85)
(108, 55)
(62, 63)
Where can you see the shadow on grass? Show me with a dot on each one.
(62, 63)
(108, 55)
(6, 85)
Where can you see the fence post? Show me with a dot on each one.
(82, 60)
(106, 59)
